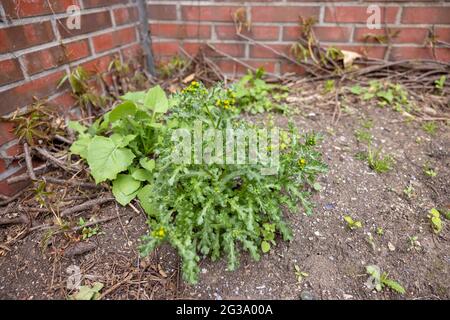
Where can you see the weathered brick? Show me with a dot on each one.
(208, 13)
(442, 33)
(232, 67)
(6, 132)
(376, 52)
(53, 57)
(133, 52)
(114, 39)
(180, 31)
(25, 36)
(428, 15)
(263, 53)
(102, 3)
(20, 96)
(125, 15)
(89, 23)
(98, 65)
(162, 12)
(283, 14)
(267, 33)
(402, 53)
(17, 9)
(402, 35)
(353, 14)
(323, 33)
(10, 71)
(168, 48)
(11, 189)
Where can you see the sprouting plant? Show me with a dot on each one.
(40, 193)
(371, 241)
(430, 127)
(268, 236)
(329, 86)
(440, 83)
(352, 224)
(447, 215)
(87, 232)
(378, 163)
(299, 274)
(367, 124)
(253, 94)
(363, 136)
(380, 280)
(428, 171)
(435, 219)
(414, 243)
(88, 292)
(174, 65)
(380, 231)
(201, 208)
(409, 191)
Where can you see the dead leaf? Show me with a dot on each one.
(349, 57)
(189, 78)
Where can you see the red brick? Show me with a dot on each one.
(207, 13)
(428, 15)
(125, 15)
(11, 189)
(53, 57)
(98, 65)
(442, 33)
(283, 14)
(231, 67)
(164, 48)
(89, 23)
(404, 35)
(14, 150)
(180, 31)
(353, 14)
(287, 67)
(17, 9)
(376, 52)
(162, 12)
(228, 32)
(102, 3)
(114, 39)
(260, 52)
(233, 49)
(10, 71)
(401, 53)
(133, 52)
(20, 96)
(6, 131)
(21, 37)
(323, 33)
(63, 102)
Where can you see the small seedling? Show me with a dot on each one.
(430, 127)
(371, 241)
(414, 244)
(268, 234)
(435, 219)
(363, 136)
(352, 224)
(87, 292)
(439, 84)
(380, 231)
(367, 124)
(87, 232)
(329, 86)
(447, 215)
(378, 163)
(380, 280)
(409, 191)
(300, 274)
(428, 171)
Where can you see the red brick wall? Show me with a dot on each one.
(37, 49)
(339, 23)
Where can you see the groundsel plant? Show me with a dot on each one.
(204, 193)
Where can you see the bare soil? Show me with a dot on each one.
(324, 247)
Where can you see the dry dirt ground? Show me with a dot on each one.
(333, 256)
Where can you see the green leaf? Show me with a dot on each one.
(394, 285)
(125, 188)
(317, 186)
(137, 97)
(142, 175)
(265, 246)
(88, 293)
(80, 147)
(123, 110)
(107, 157)
(156, 100)
(356, 90)
(148, 164)
(144, 195)
(77, 127)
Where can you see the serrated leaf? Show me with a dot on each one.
(125, 188)
(156, 100)
(80, 147)
(106, 158)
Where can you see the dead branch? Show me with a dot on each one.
(28, 161)
(85, 206)
(74, 183)
(46, 167)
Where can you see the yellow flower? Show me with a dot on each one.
(160, 233)
(301, 163)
